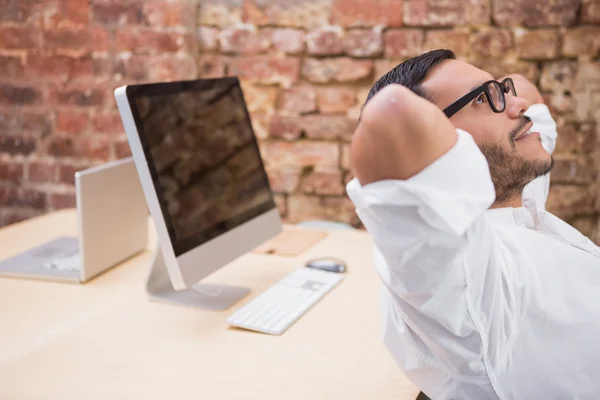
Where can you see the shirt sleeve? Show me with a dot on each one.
(438, 257)
(543, 122)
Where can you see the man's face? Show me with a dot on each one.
(513, 163)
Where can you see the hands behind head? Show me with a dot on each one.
(526, 89)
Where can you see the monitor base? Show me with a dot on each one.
(204, 296)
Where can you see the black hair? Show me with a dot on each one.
(412, 72)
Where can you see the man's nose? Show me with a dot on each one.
(516, 106)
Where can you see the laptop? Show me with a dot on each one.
(112, 224)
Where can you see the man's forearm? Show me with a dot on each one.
(399, 135)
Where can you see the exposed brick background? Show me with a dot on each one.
(306, 67)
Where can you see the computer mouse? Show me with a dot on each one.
(327, 264)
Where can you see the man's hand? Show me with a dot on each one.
(526, 89)
(399, 134)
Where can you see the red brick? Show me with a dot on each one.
(77, 39)
(42, 171)
(287, 40)
(457, 41)
(567, 202)
(266, 69)
(298, 100)
(209, 38)
(285, 127)
(78, 95)
(494, 43)
(311, 126)
(539, 44)
(446, 13)
(336, 100)
(11, 171)
(173, 68)
(363, 42)
(532, 13)
(11, 67)
(260, 125)
(358, 13)
(66, 12)
(327, 127)
(17, 144)
(345, 158)
(15, 215)
(560, 102)
(94, 147)
(117, 12)
(259, 99)
(337, 209)
(326, 181)
(19, 37)
(66, 172)
(573, 169)
(325, 41)
(498, 68)
(583, 41)
(107, 123)
(284, 179)
(150, 41)
(302, 153)
(27, 122)
(59, 201)
(244, 39)
(590, 11)
(557, 76)
(586, 225)
(342, 69)
(122, 149)
(17, 11)
(382, 67)
(132, 68)
(170, 13)
(220, 12)
(19, 95)
(58, 67)
(72, 122)
(24, 197)
(576, 137)
(403, 43)
(103, 67)
(297, 14)
(212, 66)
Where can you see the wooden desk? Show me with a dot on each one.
(105, 340)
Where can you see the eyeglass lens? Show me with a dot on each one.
(497, 96)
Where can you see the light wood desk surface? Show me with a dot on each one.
(106, 340)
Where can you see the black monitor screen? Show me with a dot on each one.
(203, 157)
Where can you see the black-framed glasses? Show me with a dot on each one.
(494, 94)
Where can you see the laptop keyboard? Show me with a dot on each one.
(67, 264)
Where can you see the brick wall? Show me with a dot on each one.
(306, 67)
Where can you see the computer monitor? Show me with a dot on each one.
(204, 181)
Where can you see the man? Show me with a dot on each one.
(486, 294)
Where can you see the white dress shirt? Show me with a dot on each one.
(483, 303)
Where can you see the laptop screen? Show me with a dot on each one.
(203, 157)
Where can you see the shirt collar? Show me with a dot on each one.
(514, 216)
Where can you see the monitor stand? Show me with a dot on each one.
(204, 296)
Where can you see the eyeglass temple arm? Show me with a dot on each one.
(463, 101)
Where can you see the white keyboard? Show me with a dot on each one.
(285, 302)
(67, 264)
